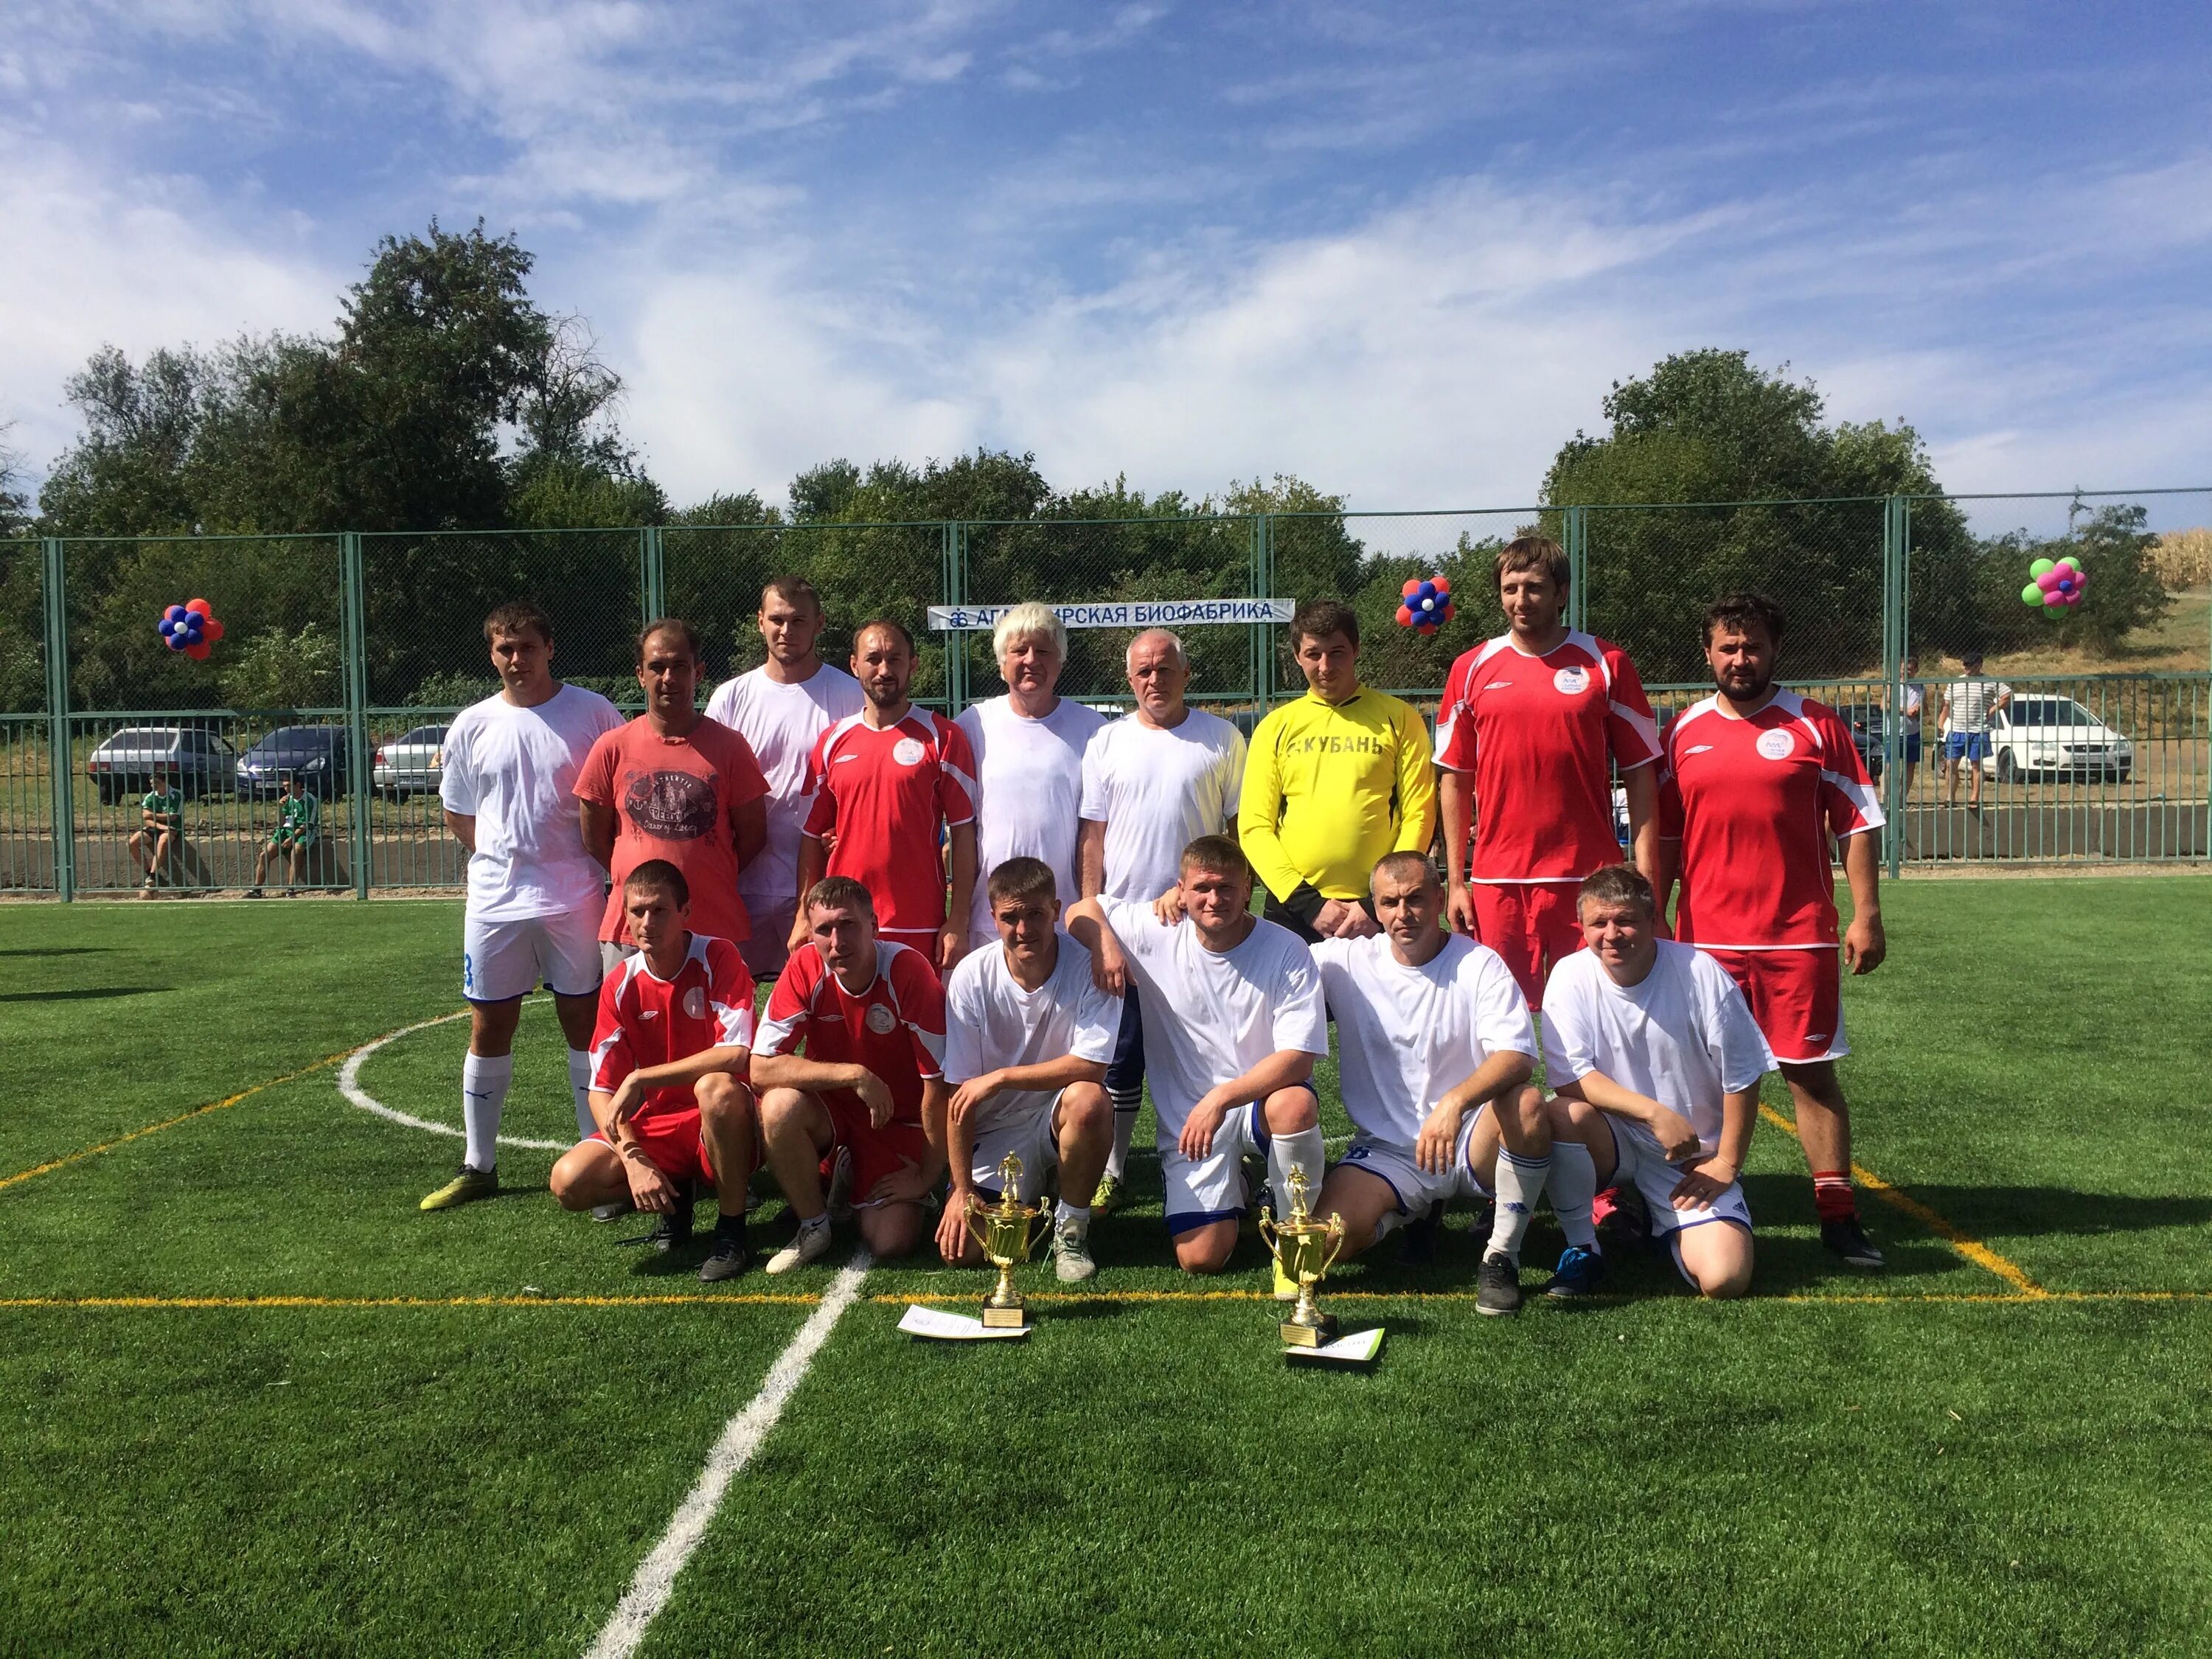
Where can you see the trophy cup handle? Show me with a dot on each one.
(967, 1218)
(1336, 1238)
(1268, 1235)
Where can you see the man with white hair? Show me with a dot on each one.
(1028, 750)
(1153, 781)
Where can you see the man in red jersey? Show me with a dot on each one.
(1758, 779)
(886, 782)
(668, 1067)
(1537, 720)
(869, 1093)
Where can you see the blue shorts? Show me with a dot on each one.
(1913, 748)
(1127, 1069)
(1966, 745)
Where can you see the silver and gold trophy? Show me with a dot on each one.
(1006, 1237)
(1306, 1247)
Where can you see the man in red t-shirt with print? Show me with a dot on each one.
(1538, 720)
(673, 785)
(885, 783)
(1758, 781)
(865, 1105)
(668, 1070)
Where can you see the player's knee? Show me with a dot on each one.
(1290, 1111)
(571, 1182)
(725, 1104)
(781, 1111)
(894, 1231)
(1522, 1120)
(1724, 1282)
(1205, 1250)
(1086, 1108)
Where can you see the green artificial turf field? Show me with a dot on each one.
(255, 1402)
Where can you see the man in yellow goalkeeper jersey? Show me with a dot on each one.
(1332, 782)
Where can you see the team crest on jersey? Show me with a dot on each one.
(694, 1003)
(1776, 745)
(907, 751)
(1572, 681)
(880, 1018)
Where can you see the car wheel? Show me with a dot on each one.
(2008, 768)
(108, 792)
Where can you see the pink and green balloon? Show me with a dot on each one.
(2055, 584)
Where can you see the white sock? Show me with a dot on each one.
(1520, 1184)
(1301, 1150)
(484, 1079)
(1573, 1186)
(1125, 1103)
(1387, 1223)
(1068, 1216)
(580, 1084)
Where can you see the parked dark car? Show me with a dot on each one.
(317, 753)
(126, 761)
(1866, 720)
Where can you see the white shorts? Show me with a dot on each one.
(1029, 1136)
(503, 960)
(1212, 1188)
(1416, 1188)
(764, 952)
(612, 956)
(1640, 1159)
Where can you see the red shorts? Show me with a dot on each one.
(671, 1139)
(1532, 924)
(876, 1152)
(921, 941)
(1797, 998)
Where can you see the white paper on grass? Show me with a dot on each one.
(943, 1327)
(1359, 1348)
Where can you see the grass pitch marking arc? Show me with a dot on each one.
(349, 1086)
(655, 1579)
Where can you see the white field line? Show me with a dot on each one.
(349, 1086)
(742, 1436)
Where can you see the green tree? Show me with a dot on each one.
(276, 669)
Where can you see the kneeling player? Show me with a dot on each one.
(675, 1032)
(1434, 1053)
(1240, 1023)
(1028, 1035)
(870, 1016)
(1657, 1037)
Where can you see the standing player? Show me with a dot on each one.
(668, 1058)
(509, 791)
(1759, 780)
(1332, 782)
(1538, 720)
(1658, 1039)
(780, 708)
(1231, 1071)
(1028, 747)
(888, 783)
(675, 786)
(1433, 1045)
(1153, 781)
(1028, 1035)
(864, 1104)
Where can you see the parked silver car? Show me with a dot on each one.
(127, 761)
(411, 764)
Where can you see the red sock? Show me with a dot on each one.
(1831, 1194)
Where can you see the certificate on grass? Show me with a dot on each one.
(941, 1326)
(1359, 1348)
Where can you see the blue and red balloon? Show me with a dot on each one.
(190, 628)
(1425, 604)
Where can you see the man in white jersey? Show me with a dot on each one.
(1231, 1071)
(1657, 1037)
(1027, 1037)
(1028, 748)
(1153, 781)
(1434, 1042)
(780, 708)
(535, 895)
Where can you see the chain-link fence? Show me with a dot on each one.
(345, 657)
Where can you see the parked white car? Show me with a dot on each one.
(2041, 736)
(412, 764)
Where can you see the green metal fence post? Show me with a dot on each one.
(60, 758)
(360, 759)
(1267, 635)
(651, 575)
(1895, 532)
(956, 641)
(1574, 525)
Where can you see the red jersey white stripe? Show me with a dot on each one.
(1754, 801)
(895, 1026)
(647, 1021)
(888, 792)
(1538, 734)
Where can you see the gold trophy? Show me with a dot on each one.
(1007, 1239)
(1306, 1247)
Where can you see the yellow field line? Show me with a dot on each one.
(1957, 1237)
(63, 1162)
(802, 1299)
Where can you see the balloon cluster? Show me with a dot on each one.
(190, 628)
(2057, 585)
(1426, 604)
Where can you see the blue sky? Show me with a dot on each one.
(1400, 251)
